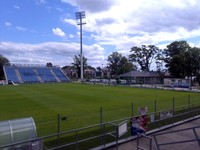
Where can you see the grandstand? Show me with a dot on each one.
(33, 74)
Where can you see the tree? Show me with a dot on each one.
(176, 66)
(198, 78)
(160, 57)
(125, 66)
(176, 48)
(182, 60)
(3, 61)
(118, 64)
(77, 64)
(143, 55)
(175, 58)
(90, 72)
(192, 62)
(98, 71)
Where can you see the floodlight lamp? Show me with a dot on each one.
(80, 15)
(79, 18)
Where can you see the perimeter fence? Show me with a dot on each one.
(105, 131)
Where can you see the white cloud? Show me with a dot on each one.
(42, 1)
(21, 28)
(119, 25)
(71, 21)
(8, 24)
(91, 5)
(72, 2)
(58, 53)
(59, 9)
(126, 23)
(16, 7)
(71, 36)
(39, 2)
(58, 32)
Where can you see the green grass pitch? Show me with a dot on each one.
(81, 103)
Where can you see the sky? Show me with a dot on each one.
(42, 31)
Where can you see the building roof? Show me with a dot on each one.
(140, 74)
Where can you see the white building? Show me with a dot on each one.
(177, 82)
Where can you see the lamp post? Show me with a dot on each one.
(79, 17)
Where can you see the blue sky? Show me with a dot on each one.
(41, 31)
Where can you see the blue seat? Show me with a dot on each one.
(11, 74)
(60, 74)
(34, 74)
(28, 75)
(46, 74)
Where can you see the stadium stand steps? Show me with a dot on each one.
(59, 74)
(18, 76)
(34, 74)
(28, 75)
(53, 73)
(37, 74)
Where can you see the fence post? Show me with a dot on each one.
(77, 140)
(188, 102)
(173, 110)
(155, 106)
(131, 110)
(155, 109)
(101, 123)
(104, 135)
(173, 104)
(58, 128)
(193, 107)
(159, 120)
(117, 137)
(138, 141)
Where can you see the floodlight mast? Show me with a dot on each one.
(79, 17)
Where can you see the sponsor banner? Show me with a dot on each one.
(166, 114)
(122, 128)
(139, 124)
(152, 117)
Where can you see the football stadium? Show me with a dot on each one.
(127, 76)
(45, 110)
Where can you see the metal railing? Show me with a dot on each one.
(193, 129)
(146, 137)
(99, 134)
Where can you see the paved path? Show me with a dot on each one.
(172, 137)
